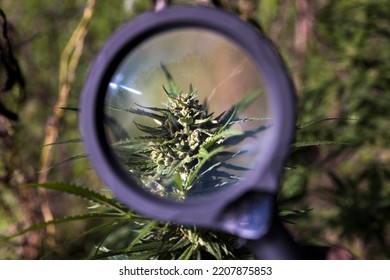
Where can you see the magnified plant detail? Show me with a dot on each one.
(189, 149)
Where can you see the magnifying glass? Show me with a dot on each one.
(188, 114)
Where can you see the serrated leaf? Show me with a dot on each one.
(61, 220)
(310, 123)
(141, 112)
(316, 143)
(82, 192)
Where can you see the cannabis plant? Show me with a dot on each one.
(188, 152)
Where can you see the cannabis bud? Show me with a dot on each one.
(188, 151)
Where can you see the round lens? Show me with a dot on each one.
(186, 113)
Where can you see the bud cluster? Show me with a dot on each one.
(187, 125)
(188, 151)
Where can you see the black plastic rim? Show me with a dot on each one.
(206, 211)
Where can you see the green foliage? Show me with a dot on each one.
(130, 236)
(363, 204)
(345, 76)
(342, 81)
(195, 144)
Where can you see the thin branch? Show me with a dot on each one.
(68, 64)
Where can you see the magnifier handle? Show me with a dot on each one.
(277, 244)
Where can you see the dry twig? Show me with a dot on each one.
(68, 65)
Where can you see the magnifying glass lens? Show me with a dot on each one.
(186, 113)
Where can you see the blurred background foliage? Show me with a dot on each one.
(338, 54)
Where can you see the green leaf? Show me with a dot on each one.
(316, 143)
(77, 140)
(173, 88)
(223, 134)
(82, 156)
(186, 255)
(143, 112)
(82, 192)
(61, 220)
(203, 158)
(145, 230)
(182, 243)
(214, 249)
(314, 122)
(247, 100)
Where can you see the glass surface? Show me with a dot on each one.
(187, 113)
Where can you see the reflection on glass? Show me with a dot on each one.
(186, 113)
